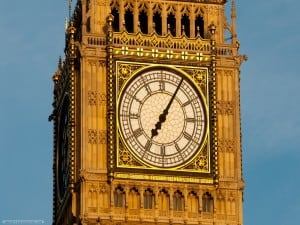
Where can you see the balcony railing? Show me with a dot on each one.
(161, 43)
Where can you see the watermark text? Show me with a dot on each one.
(8, 222)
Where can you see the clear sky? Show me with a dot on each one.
(32, 39)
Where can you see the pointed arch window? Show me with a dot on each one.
(157, 22)
(163, 200)
(116, 21)
(185, 23)
(178, 201)
(88, 25)
(143, 18)
(129, 21)
(171, 21)
(148, 199)
(199, 26)
(193, 202)
(134, 199)
(207, 203)
(103, 198)
(119, 197)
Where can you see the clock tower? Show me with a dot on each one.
(146, 115)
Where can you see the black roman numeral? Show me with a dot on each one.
(162, 150)
(161, 85)
(187, 136)
(177, 147)
(138, 132)
(148, 89)
(134, 116)
(187, 103)
(148, 145)
(190, 120)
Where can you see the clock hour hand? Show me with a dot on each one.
(163, 115)
(162, 118)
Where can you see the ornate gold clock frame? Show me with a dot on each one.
(125, 159)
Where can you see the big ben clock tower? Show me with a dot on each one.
(146, 115)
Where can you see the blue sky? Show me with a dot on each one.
(32, 39)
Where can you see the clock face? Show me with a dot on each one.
(62, 150)
(162, 119)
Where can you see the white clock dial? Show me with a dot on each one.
(161, 117)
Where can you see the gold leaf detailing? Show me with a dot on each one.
(201, 162)
(125, 42)
(200, 78)
(125, 71)
(125, 157)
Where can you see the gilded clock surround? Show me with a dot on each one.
(105, 45)
(199, 77)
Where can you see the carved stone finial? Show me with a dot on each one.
(212, 28)
(110, 19)
(57, 74)
(240, 59)
(71, 29)
(55, 77)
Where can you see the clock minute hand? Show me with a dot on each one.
(163, 115)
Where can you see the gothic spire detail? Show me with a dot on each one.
(70, 7)
(233, 21)
(233, 9)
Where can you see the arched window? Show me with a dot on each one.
(193, 203)
(148, 199)
(119, 197)
(88, 25)
(207, 203)
(103, 199)
(129, 21)
(178, 201)
(134, 199)
(199, 26)
(163, 201)
(157, 23)
(116, 25)
(143, 18)
(171, 21)
(185, 23)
